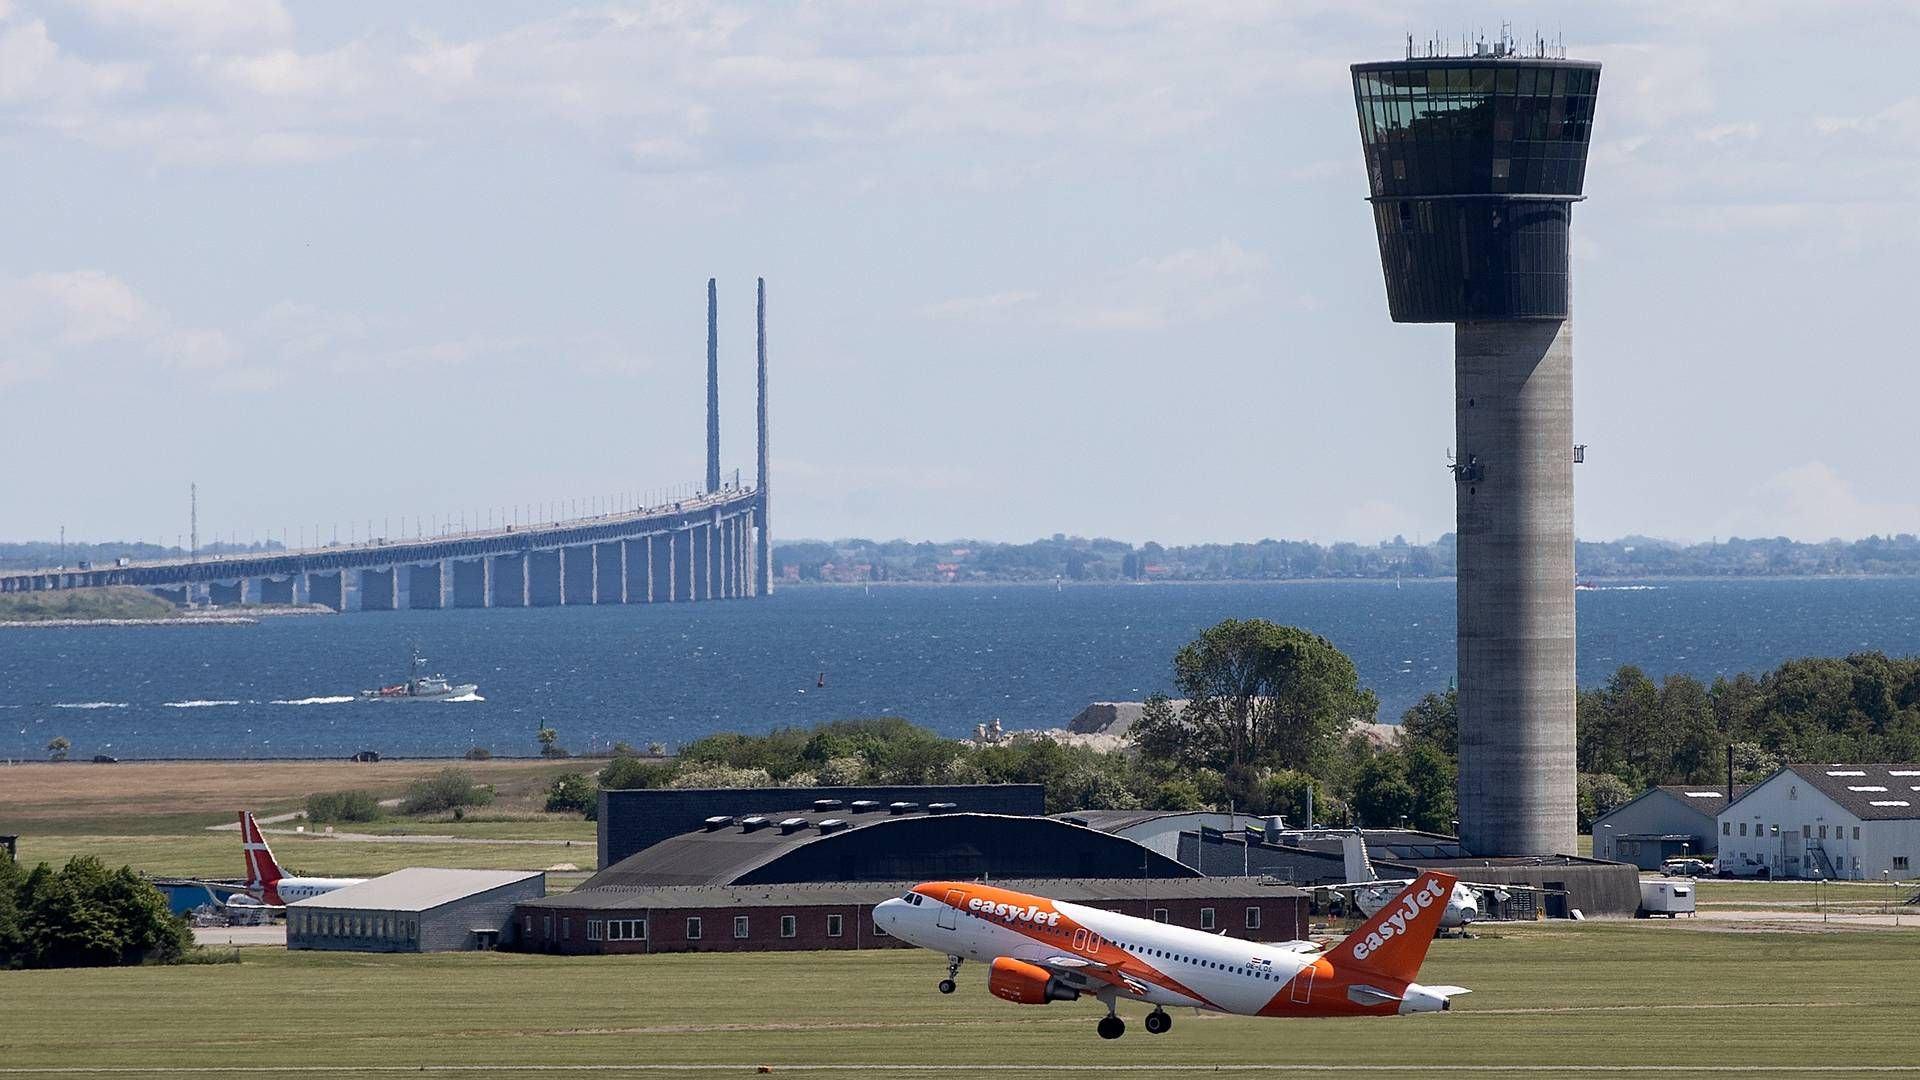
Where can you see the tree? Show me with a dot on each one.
(84, 915)
(1258, 694)
(1600, 794)
(58, 746)
(1435, 719)
(448, 789)
(550, 743)
(1383, 798)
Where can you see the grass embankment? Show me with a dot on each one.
(111, 602)
(154, 816)
(1548, 1000)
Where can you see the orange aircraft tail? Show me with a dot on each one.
(1393, 943)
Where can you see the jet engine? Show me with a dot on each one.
(1027, 984)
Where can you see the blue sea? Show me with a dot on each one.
(946, 657)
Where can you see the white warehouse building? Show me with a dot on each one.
(1854, 822)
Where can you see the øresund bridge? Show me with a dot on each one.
(713, 545)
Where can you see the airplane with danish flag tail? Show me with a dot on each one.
(267, 886)
(1040, 950)
(1371, 892)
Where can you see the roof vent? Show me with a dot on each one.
(792, 825)
(832, 824)
(749, 824)
(902, 807)
(942, 807)
(827, 804)
(861, 806)
(717, 822)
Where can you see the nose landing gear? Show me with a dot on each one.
(1158, 1022)
(947, 985)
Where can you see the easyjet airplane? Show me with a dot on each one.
(1042, 950)
(265, 882)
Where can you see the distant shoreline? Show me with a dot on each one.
(243, 617)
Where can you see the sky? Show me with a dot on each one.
(1101, 267)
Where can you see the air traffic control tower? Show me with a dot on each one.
(1474, 163)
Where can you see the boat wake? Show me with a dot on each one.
(338, 700)
(196, 704)
(469, 696)
(91, 705)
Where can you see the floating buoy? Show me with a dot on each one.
(821, 681)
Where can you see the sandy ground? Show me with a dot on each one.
(241, 935)
(69, 790)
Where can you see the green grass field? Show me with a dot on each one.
(1548, 1000)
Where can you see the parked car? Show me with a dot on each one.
(1686, 867)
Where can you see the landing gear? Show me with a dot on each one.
(947, 985)
(1158, 1022)
(1111, 1026)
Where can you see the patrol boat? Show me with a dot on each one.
(420, 687)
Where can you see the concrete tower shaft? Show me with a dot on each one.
(1513, 422)
(1473, 166)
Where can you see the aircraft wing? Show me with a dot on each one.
(1383, 883)
(1512, 887)
(1090, 969)
(1298, 946)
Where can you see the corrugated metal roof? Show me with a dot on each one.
(1880, 792)
(1071, 890)
(417, 888)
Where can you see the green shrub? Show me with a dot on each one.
(479, 753)
(571, 793)
(332, 806)
(448, 789)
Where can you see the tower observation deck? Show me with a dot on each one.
(1473, 166)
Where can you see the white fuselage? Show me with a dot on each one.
(1463, 906)
(1225, 974)
(295, 889)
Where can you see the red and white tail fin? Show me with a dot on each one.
(263, 873)
(1393, 943)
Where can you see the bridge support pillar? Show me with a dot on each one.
(509, 573)
(276, 590)
(233, 595)
(176, 597)
(636, 569)
(470, 583)
(727, 567)
(716, 559)
(546, 578)
(743, 554)
(610, 573)
(681, 563)
(580, 574)
(380, 590)
(426, 586)
(328, 590)
(701, 540)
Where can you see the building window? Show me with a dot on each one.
(693, 928)
(789, 926)
(1726, 828)
(1776, 829)
(833, 925)
(413, 929)
(1823, 832)
(1806, 831)
(1856, 832)
(593, 929)
(1159, 914)
(1743, 828)
(1899, 862)
(529, 926)
(1253, 918)
(740, 926)
(566, 927)
(1206, 918)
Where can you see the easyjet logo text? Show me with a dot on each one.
(1014, 912)
(1408, 908)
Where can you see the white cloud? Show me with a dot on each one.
(992, 305)
(1720, 133)
(83, 307)
(1813, 502)
(200, 23)
(34, 68)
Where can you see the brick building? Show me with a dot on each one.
(839, 915)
